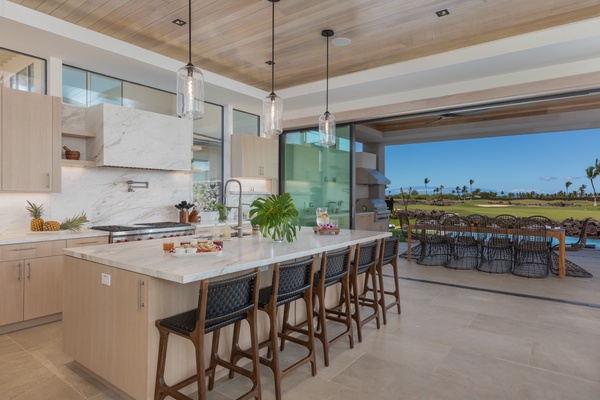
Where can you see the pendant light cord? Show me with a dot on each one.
(327, 80)
(190, 32)
(273, 50)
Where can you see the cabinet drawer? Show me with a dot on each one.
(88, 241)
(11, 252)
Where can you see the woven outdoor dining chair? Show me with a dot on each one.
(497, 247)
(532, 252)
(435, 245)
(464, 246)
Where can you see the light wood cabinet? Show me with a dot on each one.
(254, 157)
(31, 282)
(108, 334)
(11, 292)
(30, 142)
(88, 241)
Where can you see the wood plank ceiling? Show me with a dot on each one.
(233, 37)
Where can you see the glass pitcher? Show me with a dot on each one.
(322, 216)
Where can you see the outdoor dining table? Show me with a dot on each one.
(557, 233)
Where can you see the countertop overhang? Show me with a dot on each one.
(146, 257)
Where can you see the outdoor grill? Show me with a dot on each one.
(146, 231)
(378, 206)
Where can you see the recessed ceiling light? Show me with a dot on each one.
(341, 41)
(179, 22)
(442, 13)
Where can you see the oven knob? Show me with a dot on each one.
(126, 240)
(171, 235)
(150, 238)
(118, 241)
(164, 236)
(139, 239)
(178, 235)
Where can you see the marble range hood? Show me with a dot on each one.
(130, 138)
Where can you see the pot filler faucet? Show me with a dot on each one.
(238, 228)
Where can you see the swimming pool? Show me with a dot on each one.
(572, 239)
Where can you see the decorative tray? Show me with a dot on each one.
(323, 231)
(203, 253)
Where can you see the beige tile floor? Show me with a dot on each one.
(450, 342)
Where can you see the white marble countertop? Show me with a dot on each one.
(31, 237)
(146, 257)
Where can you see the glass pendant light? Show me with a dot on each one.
(327, 120)
(190, 84)
(272, 104)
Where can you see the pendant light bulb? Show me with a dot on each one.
(272, 104)
(327, 120)
(190, 83)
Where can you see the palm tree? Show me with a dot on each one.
(426, 181)
(458, 191)
(441, 191)
(471, 182)
(567, 184)
(582, 191)
(592, 173)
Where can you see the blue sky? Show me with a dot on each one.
(523, 163)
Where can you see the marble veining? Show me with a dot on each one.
(238, 254)
(127, 137)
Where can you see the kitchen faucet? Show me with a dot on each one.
(238, 228)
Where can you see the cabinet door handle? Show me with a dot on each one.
(26, 248)
(48, 180)
(29, 270)
(90, 242)
(19, 266)
(140, 303)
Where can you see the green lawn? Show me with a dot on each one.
(519, 208)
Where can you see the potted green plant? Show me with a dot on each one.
(276, 216)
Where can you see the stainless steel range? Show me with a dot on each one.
(146, 231)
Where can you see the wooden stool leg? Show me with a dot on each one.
(255, 376)
(311, 331)
(356, 314)
(236, 354)
(162, 360)
(201, 371)
(214, 354)
(382, 294)
(284, 328)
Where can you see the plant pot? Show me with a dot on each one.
(277, 238)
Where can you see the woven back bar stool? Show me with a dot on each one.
(335, 269)
(388, 255)
(366, 257)
(291, 281)
(220, 304)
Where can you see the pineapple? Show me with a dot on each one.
(35, 211)
(51, 226)
(75, 222)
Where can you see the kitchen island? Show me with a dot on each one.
(114, 293)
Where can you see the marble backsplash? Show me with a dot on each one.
(102, 194)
